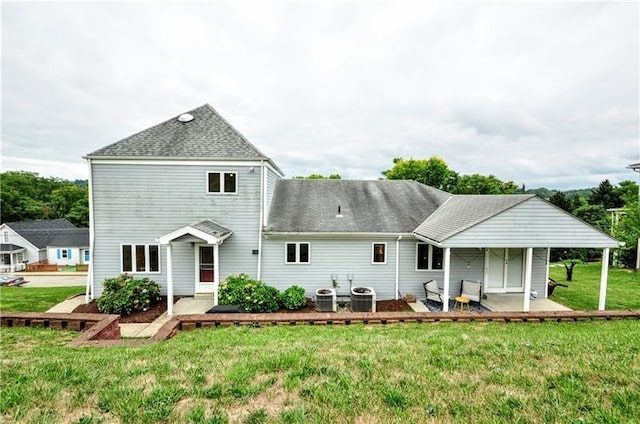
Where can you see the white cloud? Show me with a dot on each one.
(539, 93)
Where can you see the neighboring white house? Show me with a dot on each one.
(190, 201)
(57, 241)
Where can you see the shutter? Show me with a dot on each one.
(69, 253)
(59, 254)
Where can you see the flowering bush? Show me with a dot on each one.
(252, 295)
(124, 295)
(293, 298)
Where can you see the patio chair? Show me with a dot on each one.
(432, 291)
(472, 290)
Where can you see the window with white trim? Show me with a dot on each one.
(222, 182)
(140, 258)
(428, 257)
(379, 253)
(297, 253)
(64, 253)
(5, 236)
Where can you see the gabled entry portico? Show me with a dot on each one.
(206, 237)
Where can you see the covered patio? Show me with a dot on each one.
(11, 257)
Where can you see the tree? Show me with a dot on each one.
(482, 184)
(26, 196)
(319, 177)
(606, 196)
(628, 231)
(627, 191)
(433, 172)
(595, 215)
(560, 200)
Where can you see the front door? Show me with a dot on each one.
(504, 270)
(205, 269)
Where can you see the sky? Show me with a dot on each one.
(540, 93)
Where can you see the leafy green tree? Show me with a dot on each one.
(628, 231)
(482, 184)
(606, 196)
(433, 172)
(627, 191)
(561, 200)
(26, 196)
(595, 215)
(319, 177)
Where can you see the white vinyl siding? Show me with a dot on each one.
(533, 223)
(165, 198)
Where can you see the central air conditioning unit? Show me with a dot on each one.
(326, 300)
(363, 299)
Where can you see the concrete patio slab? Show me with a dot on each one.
(513, 302)
(418, 307)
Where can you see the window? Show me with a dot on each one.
(428, 257)
(297, 253)
(5, 236)
(379, 253)
(87, 256)
(140, 258)
(222, 182)
(65, 254)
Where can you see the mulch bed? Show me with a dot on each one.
(150, 315)
(159, 308)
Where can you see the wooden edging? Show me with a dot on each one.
(103, 330)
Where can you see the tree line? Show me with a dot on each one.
(613, 209)
(27, 196)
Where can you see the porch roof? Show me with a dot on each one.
(10, 248)
(207, 230)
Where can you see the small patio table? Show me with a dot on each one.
(462, 301)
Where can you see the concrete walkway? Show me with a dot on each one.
(68, 305)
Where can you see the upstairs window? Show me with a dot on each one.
(140, 258)
(5, 236)
(428, 257)
(379, 253)
(297, 253)
(222, 182)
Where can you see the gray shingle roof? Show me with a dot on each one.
(366, 206)
(48, 224)
(61, 237)
(10, 247)
(464, 211)
(207, 137)
(211, 228)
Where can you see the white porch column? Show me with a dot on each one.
(603, 278)
(216, 274)
(169, 279)
(546, 275)
(447, 272)
(527, 279)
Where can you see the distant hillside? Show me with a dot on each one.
(546, 193)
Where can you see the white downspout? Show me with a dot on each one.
(90, 289)
(263, 199)
(398, 265)
(546, 276)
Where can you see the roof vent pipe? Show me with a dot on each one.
(339, 213)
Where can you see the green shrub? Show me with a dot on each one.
(125, 294)
(293, 298)
(252, 295)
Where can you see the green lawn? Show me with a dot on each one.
(623, 287)
(34, 299)
(473, 372)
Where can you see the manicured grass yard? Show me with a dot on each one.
(467, 372)
(623, 288)
(34, 299)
